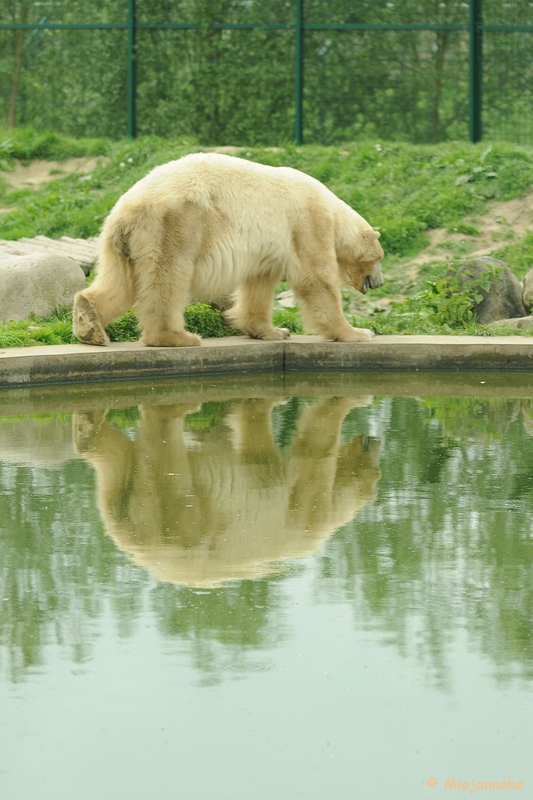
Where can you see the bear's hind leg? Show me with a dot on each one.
(161, 297)
(86, 323)
(252, 312)
(107, 298)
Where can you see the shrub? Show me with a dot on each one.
(207, 322)
(125, 328)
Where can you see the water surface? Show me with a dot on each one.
(267, 588)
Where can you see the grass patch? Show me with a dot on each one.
(26, 144)
(463, 227)
(288, 318)
(207, 322)
(56, 329)
(201, 318)
(431, 311)
(518, 255)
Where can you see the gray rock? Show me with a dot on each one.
(37, 285)
(527, 294)
(522, 323)
(504, 300)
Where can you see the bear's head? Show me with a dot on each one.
(360, 266)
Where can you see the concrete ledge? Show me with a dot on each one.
(33, 366)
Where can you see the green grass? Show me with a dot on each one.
(200, 319)
(402, 189)
(56, 329)
(518, 255)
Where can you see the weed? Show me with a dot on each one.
(56, 329)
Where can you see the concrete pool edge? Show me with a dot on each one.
(61, 364)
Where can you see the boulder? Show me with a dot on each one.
(521, 323)
(527, 293)
(504, 300)
(37, 285)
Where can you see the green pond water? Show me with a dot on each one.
(315, 587)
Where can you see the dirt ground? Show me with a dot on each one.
(503, 222)
(38, 172)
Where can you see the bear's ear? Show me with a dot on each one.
(370, 236)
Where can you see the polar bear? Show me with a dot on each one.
(210, 225)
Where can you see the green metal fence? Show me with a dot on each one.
(479, 53)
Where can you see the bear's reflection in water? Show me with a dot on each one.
(226, 504)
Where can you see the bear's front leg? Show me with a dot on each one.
(322, 307)
(349, 334)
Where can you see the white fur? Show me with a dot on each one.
(208, 225)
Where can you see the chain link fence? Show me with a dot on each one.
(245, 72)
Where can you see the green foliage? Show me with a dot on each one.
(477, 418)
(201, 319)
(288, 318)
(207, 322)
(26, 144)
(479, 172)
(519, 254)
(56, 329)
(383, 84)
(124, 329)
(464, 228)
(445, 305)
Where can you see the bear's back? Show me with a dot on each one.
(229, 183)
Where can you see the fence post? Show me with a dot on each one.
(132, 87)
(299, 73)
(475, 70)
